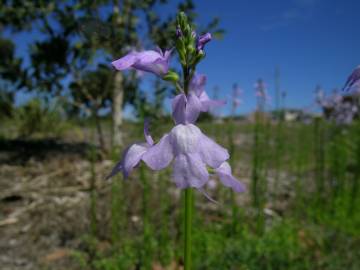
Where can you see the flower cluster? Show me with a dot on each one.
(338, 108)
(194, 155)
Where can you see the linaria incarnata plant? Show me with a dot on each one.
(194, 154)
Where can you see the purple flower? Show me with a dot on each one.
(202, 40)
(338, 108)
(186, 109)
(353, 82)
(178, 32)
(197, 86)
(329, 102)
(191, 151)
(260, 91)
(133, 155)
(237, 102)
(260, 88)
(156, 62)
(236, 97)
(344, 113)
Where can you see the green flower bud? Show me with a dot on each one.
(199, 56)
(171, 76)
(190, 49)
(182, 20)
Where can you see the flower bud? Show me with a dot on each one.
(190, 49)
(171, 76)
(199, 56)
(182, 20)
(202, 40)
(179, 33)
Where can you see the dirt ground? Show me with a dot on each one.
(44, 202)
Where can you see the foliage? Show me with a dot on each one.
(34, 118)
(6, 104)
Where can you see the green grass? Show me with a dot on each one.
(318, 228)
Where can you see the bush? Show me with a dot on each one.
(34, 118)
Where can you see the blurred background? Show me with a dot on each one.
(293, 133)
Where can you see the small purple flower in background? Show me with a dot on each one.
(328, 102)
(261, 93)
(202, 40)
(236, 97)
(156, 62)
(345, 113)
(353, 82)
(341, 109)
(260, 88)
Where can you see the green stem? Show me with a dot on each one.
(188, 225)
(232, 161)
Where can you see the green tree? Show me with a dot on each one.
(80, 38)
(12, 77)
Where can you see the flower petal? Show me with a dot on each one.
(168, 53)
(159, 67)
(197, 84)
(207, 103)
(189, 171)
(193, 108)
(130, 159)
(125, 62)
(185, 139)
(212, 153)
(152, 61)
(159, 156)
(178, 108)
(186, 110)
(224, 173)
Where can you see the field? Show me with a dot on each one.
(177, 135)
(300, 210)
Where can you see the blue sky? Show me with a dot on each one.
(310, 41)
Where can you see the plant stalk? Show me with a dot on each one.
(188, 228)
